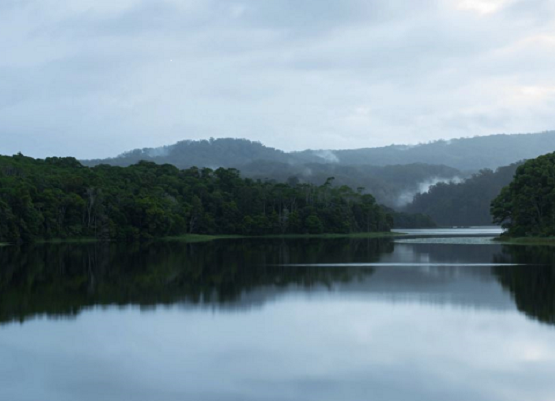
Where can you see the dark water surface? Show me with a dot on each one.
(433, 318)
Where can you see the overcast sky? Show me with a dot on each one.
(93, 78)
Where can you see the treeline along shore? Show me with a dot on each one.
(61, 198)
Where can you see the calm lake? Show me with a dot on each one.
(437, 315)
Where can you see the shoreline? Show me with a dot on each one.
(192, 238)
(538, 241)
(195, 238)
(332, 236)
(204, 238)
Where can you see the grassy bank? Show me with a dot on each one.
(543, 241)
(184, 238)
(205, 238)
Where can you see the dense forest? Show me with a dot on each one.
(61, 198)
(466, 203)
(468, 154)
(526, 207)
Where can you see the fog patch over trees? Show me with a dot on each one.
(423, 187)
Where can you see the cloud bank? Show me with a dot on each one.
(96, 78)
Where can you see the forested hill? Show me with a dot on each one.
(212, 153)
(465, 153)
(466, 203)
(59, 198)
(391, 185)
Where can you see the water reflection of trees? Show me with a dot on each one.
(60, 280)
(532, 284)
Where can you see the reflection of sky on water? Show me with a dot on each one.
(296, 349)
(454, 286)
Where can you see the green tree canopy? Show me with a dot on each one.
(60, 198)
(526, 207)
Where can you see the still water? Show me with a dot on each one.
(419, 318)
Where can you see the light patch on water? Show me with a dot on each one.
(450, 241)
(399, 264)
(484, 231)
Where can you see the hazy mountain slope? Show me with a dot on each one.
(465, 153)
(466, 203)
(393, 174)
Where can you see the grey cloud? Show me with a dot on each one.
(292, 74)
